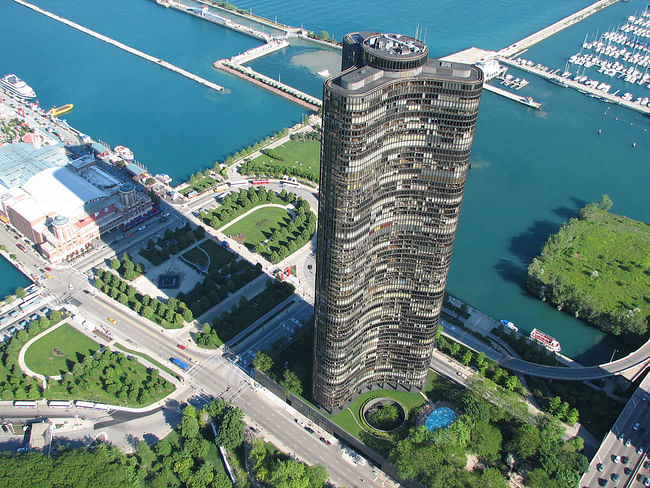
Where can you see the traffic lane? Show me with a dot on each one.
(281, 425)
(132, 330)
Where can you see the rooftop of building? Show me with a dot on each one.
(396, 45)
(20, 161)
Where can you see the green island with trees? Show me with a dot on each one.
(597, 268)
(170, 243)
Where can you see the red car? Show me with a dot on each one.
(47, 268)
(180, 346)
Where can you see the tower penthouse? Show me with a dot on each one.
(397, 136)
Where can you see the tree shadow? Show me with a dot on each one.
(133, 441)
(511, 271)
(150, 438)
(528, 243)
(172, 412)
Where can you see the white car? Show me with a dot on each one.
(142, 227)
(70, 286)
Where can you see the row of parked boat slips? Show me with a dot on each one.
(512, 82)
(588, 89)
(627, 68)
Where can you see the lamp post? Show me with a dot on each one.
(612, 358)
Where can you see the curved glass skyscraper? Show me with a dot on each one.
(397, 136)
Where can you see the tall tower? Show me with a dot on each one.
(397, 135)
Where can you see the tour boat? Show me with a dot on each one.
(63, 109)
(545, 340)
(17, 86)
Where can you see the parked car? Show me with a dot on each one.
(111, 320)
(621, 436)
(600, 467)
(615, 477)
(616, 459)
(628, 442)
(324, 441)
(646, 481)
(309, 429)
(142, 227)
(636, 426)
(180, 346)
(299, 422)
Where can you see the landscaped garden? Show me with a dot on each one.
(196, 256)
(58, 351)
(259, 225)
(219, 256)
(172, 242)
(240, 316)
(299, 157)
(284, 240)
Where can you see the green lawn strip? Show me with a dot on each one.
(260, 224)
(238, 211)
(219, 256)
(197, 257)
(252, 331)
(56, 352)
(147, 357)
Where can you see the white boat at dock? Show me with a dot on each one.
(18, 87)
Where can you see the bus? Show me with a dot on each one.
(27, 303)
(294, 184)
(59, 404)
(102, 406)
(234, 184)
(24, 404)
(181, 364)
(264, 181)
(80, 404)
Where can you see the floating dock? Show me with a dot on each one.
(578, 86)
(124, 47)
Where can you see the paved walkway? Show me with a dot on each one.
(21, 355)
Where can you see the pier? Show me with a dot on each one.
(519, 46)
(609, 97)
(528, 101)
(124, 47)
(259, 51)
(274, 86)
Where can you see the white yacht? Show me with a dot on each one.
(17, 86)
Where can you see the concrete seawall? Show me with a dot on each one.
(124, 47)
(546, 32)
(286, 91)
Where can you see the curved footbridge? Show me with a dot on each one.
(124, 47)
(634, 363)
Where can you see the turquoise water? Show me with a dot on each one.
(531, 170)
(11, 278)
(440, 417)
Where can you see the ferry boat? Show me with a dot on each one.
(124, 152)
(63, 109)
(17, 86)
(528, 101)
(510, 325)
(545, 340)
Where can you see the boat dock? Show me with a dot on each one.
(528, 101)
(610, 97)
(124, 47)
(277, 87)
(519, 46)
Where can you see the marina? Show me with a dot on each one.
(124, 47)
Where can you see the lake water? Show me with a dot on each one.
(531, 170)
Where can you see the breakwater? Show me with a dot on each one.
(124, 47)
(274, 86)
(523, 44)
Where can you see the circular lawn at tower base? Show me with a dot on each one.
(58, 351)
(440, 417)
(384, 414)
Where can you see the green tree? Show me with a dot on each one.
(486, 440)
(115, 264)
(526, 441)
(291, 383)
(605, 203)
(189, 426)
(573, 416)
(262, 362)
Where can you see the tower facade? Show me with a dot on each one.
(397, 135)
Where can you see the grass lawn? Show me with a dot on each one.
(302, 154)
(196, 256)
(350, 418)
(259, 225)
(219, 256)
(147, 357)
(57, 352)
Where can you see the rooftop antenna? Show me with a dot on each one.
(417, 30)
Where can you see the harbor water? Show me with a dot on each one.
(11, 278)
(531, 170)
